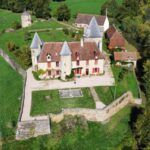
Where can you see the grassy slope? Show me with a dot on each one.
(19, 36)
(10, 91)
(96, 137)
(106, 94)
(55, 105)
(81, 6)
(7, 20)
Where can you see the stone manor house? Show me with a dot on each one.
(59, 59)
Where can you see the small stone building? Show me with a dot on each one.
(26, 20)
(83, 20)
(128, 57)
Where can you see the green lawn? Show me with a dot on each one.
(10, 93)
(81, 6)
(97, 137)
(42, 106)
(128, 83)
(7, 19)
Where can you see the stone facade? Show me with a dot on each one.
(98, 115)
(26, 20)
(59, 63)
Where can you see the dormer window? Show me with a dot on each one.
(77, 55)
(95, 55)
(48, 57)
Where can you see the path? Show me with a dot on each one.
(65, 24)
(33, 85)
(99, 104)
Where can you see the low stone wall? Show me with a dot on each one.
(98, 115)
(118, 104)
(13, 64)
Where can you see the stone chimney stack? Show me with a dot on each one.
(82, 42)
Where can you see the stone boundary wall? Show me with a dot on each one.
(21, 71)
(13, 64)
(118, 104)
(98, 115)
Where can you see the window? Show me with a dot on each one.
(48, 57)
(49, 72)
(87, 62)
(57, 72)
(57, 64)
(78, 63)
(77, 55)
(78, 71)
(95, 70)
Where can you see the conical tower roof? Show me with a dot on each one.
(93, 30)
(65, 51)
(36, 41)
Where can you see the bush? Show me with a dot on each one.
(63, 13)
(41, 72)
(70, 123)
(71, 75)
(36, 76)
(16, 25)
(66, 31)
(11, 46)
(27, 36)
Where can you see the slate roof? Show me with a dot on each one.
(93, 30)
(125, 56)
(86, 18)
(65, 51)
(86, 52)
(25, 13)
(36, 41)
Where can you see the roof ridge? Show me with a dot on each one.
(91, 14)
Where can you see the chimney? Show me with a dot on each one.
(82, 42)
(106, 12)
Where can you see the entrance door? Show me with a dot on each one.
(87, 72)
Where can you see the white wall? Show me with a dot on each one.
(106, 24)
(65, 66)
(98, 41)
(91, 65)
(26, 21)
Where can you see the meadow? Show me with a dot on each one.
(81, 6)
(10, 99)
(96, 136)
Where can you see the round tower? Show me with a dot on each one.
(26, 20)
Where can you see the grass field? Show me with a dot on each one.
(96, 137)
(10, 92)
(128, 83)
(42, 106)
(18, 37)
(81, 6)
(7, 19)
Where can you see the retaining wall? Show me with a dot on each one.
(98, 115)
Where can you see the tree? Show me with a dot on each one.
(142, 125)
(41, 8)
(25, 56)
(63, 13)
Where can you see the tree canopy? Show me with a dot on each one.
(40, 8)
